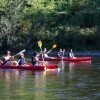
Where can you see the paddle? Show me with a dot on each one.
(53, 47)
(20, 52)
(40, 44)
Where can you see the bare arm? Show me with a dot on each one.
(49, 51)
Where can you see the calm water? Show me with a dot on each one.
(75, 81)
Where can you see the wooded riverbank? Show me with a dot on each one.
(68, 23)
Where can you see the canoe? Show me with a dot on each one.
(76, 59)
(30, 67)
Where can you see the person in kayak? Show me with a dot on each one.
(60, 53)
(6, 58)
(21, 61)
(71, 54)
(35, 59)
(63, 52)
(45, 53)
(11, 62)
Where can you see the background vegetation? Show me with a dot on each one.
(68, 23)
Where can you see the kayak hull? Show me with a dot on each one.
(23, 67)
(30, 67)
(75, 59)
(52, 66)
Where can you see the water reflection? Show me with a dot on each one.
(15, 74)
(35, 85)
(39, 85)
(80, 65)
(75, 81)
(49, 72)
(61, 65)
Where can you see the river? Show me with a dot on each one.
(73, 81)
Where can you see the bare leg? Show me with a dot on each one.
(1, 62)
(12, 63)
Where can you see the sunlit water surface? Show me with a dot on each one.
(73, 81)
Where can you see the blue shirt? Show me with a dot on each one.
(21, 61)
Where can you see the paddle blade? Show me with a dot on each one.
(20, 52)
(54, 46)
(40, 44)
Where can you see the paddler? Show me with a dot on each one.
(11, 62)
(71, 54)
(35, 59)
(6, 58)
(21, 61)
(60, 53)
(45, 53)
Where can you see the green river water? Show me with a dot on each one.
(73, 81)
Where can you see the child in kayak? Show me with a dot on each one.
(21, 61)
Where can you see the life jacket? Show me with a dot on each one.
(60, 54)
(35, 61)
(21, 61)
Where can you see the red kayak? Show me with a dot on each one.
(76, 59)
(30, 67)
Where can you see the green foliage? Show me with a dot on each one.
(69, 23)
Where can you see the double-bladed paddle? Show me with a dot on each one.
(20, 52)
(40, 44)
(54, 46)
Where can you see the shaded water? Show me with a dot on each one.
(75, 81)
